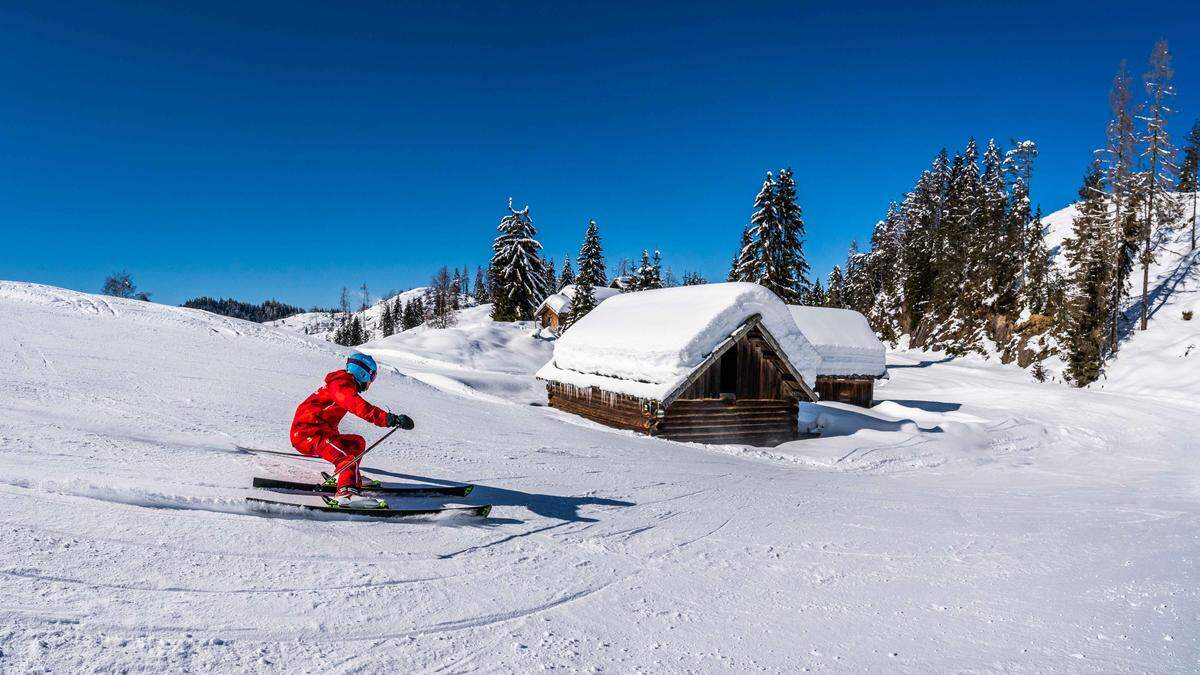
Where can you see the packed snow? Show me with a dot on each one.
(645, 344)
(560, 302)
(973, 520)
(844, 340)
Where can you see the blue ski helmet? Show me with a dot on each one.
(362, 367)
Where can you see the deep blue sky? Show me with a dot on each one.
(287, 149)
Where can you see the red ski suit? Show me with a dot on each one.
(315, 426)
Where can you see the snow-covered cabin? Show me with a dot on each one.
(556, 305)
(852, 357)
(715, 363)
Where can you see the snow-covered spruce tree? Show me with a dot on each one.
(1119, 152)
(1088, 254)
(858, 291)
(1036, 291)
(482, 294)
(646, 276)
(922, 210)
(582, 302)
(1189, 180)
(550, 275)
(1018, 165)
(960, 284)
(754, 261)
(656, 274)
(883, 266)
(591, 258)
(792, 265)
(742, 268)
(694, 279)
(518, 281)
(387, 323)
(833, 297)
(1158, 155)
(568, 275)
(816, 296)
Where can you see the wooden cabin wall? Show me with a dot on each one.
(614, 410)
(761, 422)
(759, 373)
(852, 390)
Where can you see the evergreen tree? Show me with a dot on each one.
(1037, 267)
(1159, 153)
(833, 297)
(742, 268)
(815, 296)
(1189, 181)
(1087, 254)
(693, 279)
(760, 251)
(482, 294)
(455, 290)
(568, 276)
(882, 267)
(1018, 164)
(647, 276)
(551, 277)
(582, 302)
(793, 266)
(591, 258)
(387, 322)
(518, 282)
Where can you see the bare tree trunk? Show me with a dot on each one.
(1146, 253)
(1116, 281)
(1194, 219)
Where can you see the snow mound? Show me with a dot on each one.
(844, 339)
(476, 357)
(645, 344)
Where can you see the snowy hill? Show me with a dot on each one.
(974, 520)
(322, 324)
(1163, 361)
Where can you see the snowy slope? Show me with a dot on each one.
(476, 357)
(322, 324)
(973, 521)
(1163, 361)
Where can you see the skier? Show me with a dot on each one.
(315, 427)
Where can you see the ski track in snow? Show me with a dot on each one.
(973, 520)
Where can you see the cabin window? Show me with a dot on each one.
(727, 384)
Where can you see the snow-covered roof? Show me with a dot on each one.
(646, 344)
(560, 302)
(844, 339)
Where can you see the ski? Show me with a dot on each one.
(481, 510)
(403, 490)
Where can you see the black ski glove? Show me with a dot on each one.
(403, 421)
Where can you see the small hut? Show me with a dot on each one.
(852, 357)
(716, 363)
(552, 310)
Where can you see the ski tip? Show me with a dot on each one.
(467, 489)
(485, 511)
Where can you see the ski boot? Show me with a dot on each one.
(350, 498)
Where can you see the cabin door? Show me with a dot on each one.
(727, 382)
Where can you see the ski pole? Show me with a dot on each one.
(364, 453)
